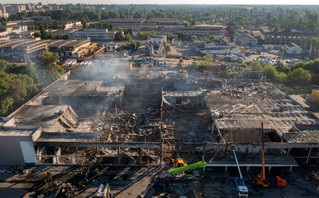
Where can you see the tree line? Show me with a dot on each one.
(301, 73)
(19, 83)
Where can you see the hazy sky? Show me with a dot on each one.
(290, 2)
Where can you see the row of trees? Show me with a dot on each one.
(301, 73)
(313, 46)
(305, 18)
(20, 82)
(17, 83)
(131, 46)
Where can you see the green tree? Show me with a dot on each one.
(110, 27)
(48, 61)
(130, 31)
(3, 65)
(232, 34)
(256, 66)
(119, 35)
(270, 71)
(55, 25)
(128, 37)
(28, 70)
(14, 88)
(37, 34)
(282, 68)
(299, 76)
(212, 37)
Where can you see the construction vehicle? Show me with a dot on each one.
(241, 188)
(280, 181)
(178, 163)
(261, 178)
(180, 173)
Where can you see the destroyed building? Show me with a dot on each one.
(114, 115)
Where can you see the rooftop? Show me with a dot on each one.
(52, 118)
(246, 105)
(292, 45)
(76, 43)
(60, 43)
(17, 131)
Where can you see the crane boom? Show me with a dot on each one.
(261, 178)
(242, 190)
(240, 175)
(187, 168)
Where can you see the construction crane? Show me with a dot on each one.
(242, 190)
(261, 178)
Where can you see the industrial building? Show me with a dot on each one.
(95, 35)
(21, 50)
(204, 31)
(282, 38)
(293, 49)
(244, 39)
(71, 48)
(157, 39)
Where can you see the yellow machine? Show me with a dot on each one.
(178, 163)
(261, 178)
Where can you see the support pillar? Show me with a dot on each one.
(40, 151)
(118, 155)
(226, 149)
(269, 168)
(57, 154)
(288, 152)
(290, 168)
(248, 168)
(76, 156)
(308, 157)
(139, 155)
(225, 168)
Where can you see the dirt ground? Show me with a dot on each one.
(127, 182)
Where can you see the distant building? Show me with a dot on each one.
(204, 31)
(171, 23)
(21, 50)
(19, 28)
(6, 32)
(282, 38)
(293, 49)
(232, 49)
(257, 34)
(70, 48)
(72, 25)
(268, 46)
(55, 7)
(61, 32)
(14, 8)
(244, 39)
(112, 47)
(95, 35)
(157, 39)
(3, 8)
(135, 24)
(221, 46)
